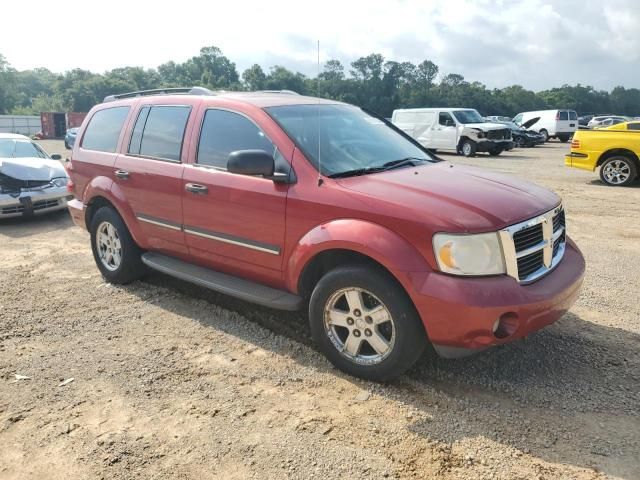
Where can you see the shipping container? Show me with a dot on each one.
(75, 119)
(23, 124)
(54, 124)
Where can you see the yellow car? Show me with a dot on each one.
(614, 149)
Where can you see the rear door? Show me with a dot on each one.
(566, 121)
(231, 221)
(149, 173)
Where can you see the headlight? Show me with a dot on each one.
(478, 254)
(60, 181)
(480, 134)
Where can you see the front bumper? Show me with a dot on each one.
(34, 202)
(486, 145)
(459, 313)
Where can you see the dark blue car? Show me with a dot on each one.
(70, 138)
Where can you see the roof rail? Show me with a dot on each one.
(284, 92)
(161, 91)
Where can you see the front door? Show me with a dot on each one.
(445, 132)
(233, 222)
(149, 174)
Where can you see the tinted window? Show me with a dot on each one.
(573, 115)
(10, 148)
(224, 132)
(564, 115)
(103, 130)
(445, 119)
(633, 126)
(159, 131)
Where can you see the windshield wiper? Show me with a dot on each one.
(403, 162)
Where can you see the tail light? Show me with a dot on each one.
(575, 143)
(558, 115)
(68, 166)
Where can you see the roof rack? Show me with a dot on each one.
(161, 91)
(285, 92)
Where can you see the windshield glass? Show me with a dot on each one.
(468, 116)
(349, 138)
(11, 148)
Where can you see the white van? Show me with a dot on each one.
(560, 124)
(462, 130)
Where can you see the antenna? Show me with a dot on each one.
(318, 108)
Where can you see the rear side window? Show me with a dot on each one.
(159, 131)
(573, 115)
(103, 130)
(224, 132)
(564, 115)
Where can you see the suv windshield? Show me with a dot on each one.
(346, 138)
(11, 148)
(468, 116)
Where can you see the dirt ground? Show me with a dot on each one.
(173, 381)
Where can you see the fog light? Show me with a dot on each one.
(506, 325)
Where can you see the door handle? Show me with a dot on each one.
(123, 174)
(196, 188)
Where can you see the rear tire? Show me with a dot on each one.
(618, 171)
(116, 254)
(377, 347)
(564, 138)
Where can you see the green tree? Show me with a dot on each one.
(254, 77)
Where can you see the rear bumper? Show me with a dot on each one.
(582, 160)
(459, 313)
(76, 209)
(487, 145)
(34, 202)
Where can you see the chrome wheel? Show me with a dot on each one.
(109, 246)
(359, 325)
(616, 172)
(466, 149)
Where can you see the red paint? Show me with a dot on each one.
(390, 217)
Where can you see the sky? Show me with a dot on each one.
(534, 43)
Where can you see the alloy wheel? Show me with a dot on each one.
(359, 326)
(617, 172)
(109, 246)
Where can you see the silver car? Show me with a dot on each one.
(31, 181)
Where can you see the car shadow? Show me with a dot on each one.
(568, 394)
(18, 227)
(599, 183)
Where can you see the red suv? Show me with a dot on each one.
(288, 201)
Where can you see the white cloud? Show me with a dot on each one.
(535, 43)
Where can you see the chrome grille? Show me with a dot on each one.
(499, 134)
(534, 247)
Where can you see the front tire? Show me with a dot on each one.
(468, 148)
(545, 134)
(494, 152)
(618, 171)
(116, 254)
(365, 324)
(67, 146)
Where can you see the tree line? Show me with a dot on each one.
(371, 81)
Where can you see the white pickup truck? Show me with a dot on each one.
(461, 130)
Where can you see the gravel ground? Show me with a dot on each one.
(172, 381)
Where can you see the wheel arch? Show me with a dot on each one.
(625, 152)
(343, 242)
(100, 193)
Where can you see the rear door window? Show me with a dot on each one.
(159, 132)
(104, 128)
(573, 115)
(224, 132)
(564, 115)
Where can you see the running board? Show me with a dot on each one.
(223, 283)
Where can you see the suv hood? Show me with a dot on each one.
(32, 169)
(453, 198)
(485, 126)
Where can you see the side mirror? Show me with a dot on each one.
(254, 162)
(56, 156)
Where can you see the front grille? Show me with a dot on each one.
(39, 205)
(12, 185)
(528, 237)
(499, 134)
(533, 248)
